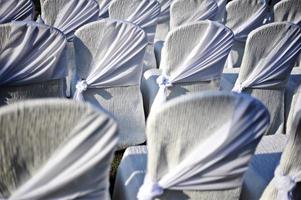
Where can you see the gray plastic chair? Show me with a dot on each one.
(270, 54)
(55, 149)
(109, 61)
(180, 134)
(193, 60)
(33, 62)
(242, 17)
(16, 10)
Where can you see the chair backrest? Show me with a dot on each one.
(109, 60)
(69, 15)
(143, 13)
(287, 178)
(104, 8)
(31, 53)
(270, 54)
(15, 10)
(55, 149)
(288, 10)
(188, 11)
(193, 147)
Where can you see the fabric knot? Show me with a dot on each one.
(163, 81)
(82, 86)
(149, 190)
(284, 184)
(238, 88)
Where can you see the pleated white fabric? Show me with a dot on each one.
(220, 15)
(288, 10)
(104, 8)
(272, 70)
(69, 15)
(143, 13)
(114, 66)
(219, 162)
(188, 11)
(15, 10)
(201, 60)
(163, 20)
(78, 167)
(32, 53)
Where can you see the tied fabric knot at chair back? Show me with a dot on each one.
(272, 69)
(31, 53)
(218, 161)
(69, 157)
(143, 13)
(68, 15)
(200, 58)
(15, 10)
(187, 11)
(119, 65)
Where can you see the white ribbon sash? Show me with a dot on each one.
(272, 70)
(14, 10)
(221, 160)
(70, 15)
(201, 64)
(118, 65)
(32, 53)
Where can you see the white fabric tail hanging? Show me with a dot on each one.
(201, 64)
(221, 160)
(118, 65)
(271, 71)
(69, 15)
(14, 10)
(32, 53)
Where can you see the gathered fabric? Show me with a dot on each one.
(221, 160)
(104, 8)
(285, 184)
(272, 70)
(14, 10)
(201, 64)
(118, 66)
(70, 16)
(165, 11)
(32, 53)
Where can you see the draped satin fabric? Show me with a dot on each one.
(15, 10)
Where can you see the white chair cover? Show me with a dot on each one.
(145, 14)
(188, 11)
(163, 20)
(78, 166)
(13, 10)
(104, 8)
(219, 162)
(32, 53)
(221, 12)
(272, 70)
(288, 10)
(115, 66)
(68, 15)
(199, 61)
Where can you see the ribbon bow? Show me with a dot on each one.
(81, 86)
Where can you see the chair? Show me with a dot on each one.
(289, 10)
(193, 59)
(163, 21)
(68, 15)
(16, 10)
(32, 60)
(221, 12)
(104, 8)
(109, 58)
(283, 181)
(143, 13)
(270, 54)
(55, 149)
(194, 151)
(189, 11)
(242, 17)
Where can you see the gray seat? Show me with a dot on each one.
(242, 17)
(109, 61)
(181, 133)
(270, 54)
(16, 10)
(193, 61)
(33, 61)
(55, 149)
